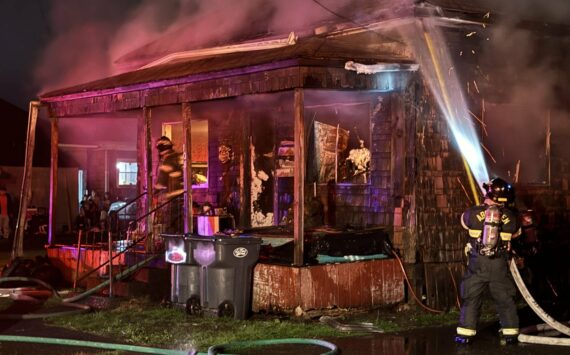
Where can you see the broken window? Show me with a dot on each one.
(339, 148)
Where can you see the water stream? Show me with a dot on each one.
(430, 48)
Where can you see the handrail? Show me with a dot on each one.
(116, 213)
(135, 242)
(132, 201)
(159, 207)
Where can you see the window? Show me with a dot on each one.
(126, 172)
(199, 150)
(340, 143)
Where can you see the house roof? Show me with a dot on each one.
(366, 47)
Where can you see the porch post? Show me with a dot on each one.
(299, 178)
(18, 245)
(54, 161)
(187, 156)
(147, 113)
(245, 172)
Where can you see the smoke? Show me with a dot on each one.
(526, 66)
(89, 37)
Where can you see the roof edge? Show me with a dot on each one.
(54, 96)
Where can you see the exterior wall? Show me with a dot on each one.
(359, 284)
(430, 190)
(95, 169)
(434, 195)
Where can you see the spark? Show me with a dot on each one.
(483, 125)
(473, 51)
(476, 87)
(470, 34)
(483, 116)
(460, 53)
(488, 152)
(487, 15)
(464, 189)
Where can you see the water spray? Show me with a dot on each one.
(450, 100)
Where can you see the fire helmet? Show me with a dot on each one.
(163, 143)
(499, 191)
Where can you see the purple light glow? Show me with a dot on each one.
(204, 253)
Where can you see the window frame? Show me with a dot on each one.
(129, 161)
(166, 130)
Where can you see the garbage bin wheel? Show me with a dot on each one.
(226, 309)
(193, 306)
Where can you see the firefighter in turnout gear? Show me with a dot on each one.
(491, 227)
(169, 178)
(169, 184)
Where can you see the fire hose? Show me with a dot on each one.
(213, 350)
(80, 308)
(550, 323)
(68, 302)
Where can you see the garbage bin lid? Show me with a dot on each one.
(241, 240)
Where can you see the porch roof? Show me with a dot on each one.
(320, 51)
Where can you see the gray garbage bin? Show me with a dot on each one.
(226, 273)
(184, 273)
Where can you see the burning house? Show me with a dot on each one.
(324, 143)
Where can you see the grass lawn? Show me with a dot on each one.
(141, 322)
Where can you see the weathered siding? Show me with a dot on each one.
(358, 284)
(212, 88)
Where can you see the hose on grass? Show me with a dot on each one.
(95, 344)
(125, 347)
(551, 323)
(68, 302)
(333, 349)
(77, 308)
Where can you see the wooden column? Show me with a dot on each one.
(53, 178)
(299, 178)
(147, 174)
(245, 172)
(25, 192)
(187, 172)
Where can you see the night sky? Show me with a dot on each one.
(45, 42)
(24, 32)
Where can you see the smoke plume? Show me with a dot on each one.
(90, 36)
